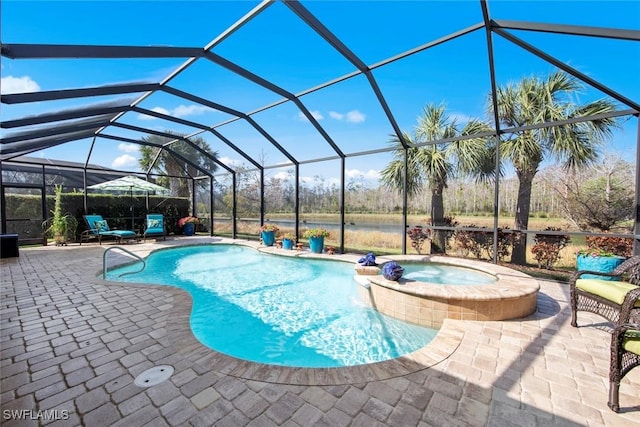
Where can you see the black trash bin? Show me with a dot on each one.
(9, 246)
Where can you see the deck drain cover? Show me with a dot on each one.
(154, 376)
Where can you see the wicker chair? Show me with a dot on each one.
(625, 355)
(616, 311)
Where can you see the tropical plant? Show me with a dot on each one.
(595, 252)
(534, 101)
(434, 164)
(269, 227)
(188, 220)
(316, 232)
(61, 226)
(154, 158)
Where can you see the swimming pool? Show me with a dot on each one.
(278, 310)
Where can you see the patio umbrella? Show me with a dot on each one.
(129, 183)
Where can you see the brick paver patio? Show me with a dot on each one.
(71, 346)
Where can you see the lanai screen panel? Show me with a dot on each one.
(414, 82)
(255, 144)
(280, 198)
(248, 202)
(614, 14)
(513, 64)
(377, 30)
(98, 28)
(213, 82)
(174, 107)
(289, 53)
(223, 204)
(320, 198)
(611, 62)
(352, 115)
(295, 132)
(373, 220)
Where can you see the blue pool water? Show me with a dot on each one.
(445, 274)
(278, 310)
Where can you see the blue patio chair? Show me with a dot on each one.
(155, 227)
(99, 228)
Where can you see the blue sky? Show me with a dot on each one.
(278, 46)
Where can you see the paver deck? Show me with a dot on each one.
(72, 344)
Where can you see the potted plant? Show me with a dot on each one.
(288, 239)
(188, 224)
(268, 234)
(61, 226)
(599, 260)
(316, 238)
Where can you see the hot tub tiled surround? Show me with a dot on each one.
(513, 295)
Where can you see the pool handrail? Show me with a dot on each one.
(104, 262)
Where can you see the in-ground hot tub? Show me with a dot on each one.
(511, 295)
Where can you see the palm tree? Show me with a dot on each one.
(434, 164)
(167, 164)
(533, 101)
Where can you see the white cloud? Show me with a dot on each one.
(128, 148)
(157, 110)
(124, 160)
(230, 162)
(315, 113)
(179, 111)
(12, 84)
(357, 173)
(189, 110)
(332, 181)
(306, 180)
(283, 176)
(355, 116)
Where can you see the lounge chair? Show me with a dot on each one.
(99, 228)
(625, 355)
(617, 301)
(155, 227)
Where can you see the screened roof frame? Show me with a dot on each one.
(23, 51)
(106, 115)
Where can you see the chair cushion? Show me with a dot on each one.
(612, 290)
(154, 223)
(631, 341)
(101, 225)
